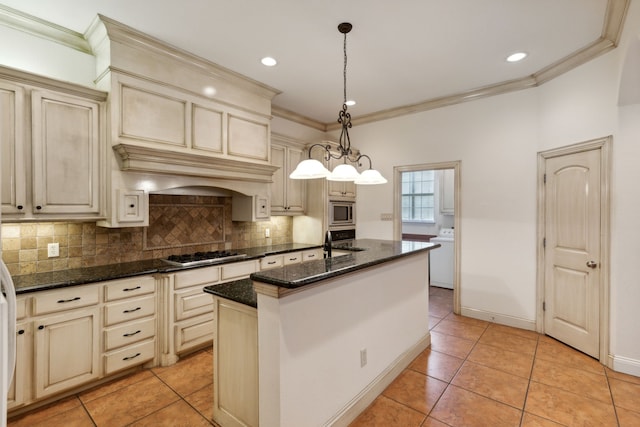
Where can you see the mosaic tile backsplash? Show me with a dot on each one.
(176, 225)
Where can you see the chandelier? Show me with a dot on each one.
(312, 168)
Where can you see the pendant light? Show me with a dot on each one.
(311, 168)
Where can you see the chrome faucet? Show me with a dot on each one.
(327, 244)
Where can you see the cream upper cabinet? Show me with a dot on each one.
(66, 154)
(447, 189)
(12, 144)
(153, 115)
(61, 132)
(288, 196)
(340, 189)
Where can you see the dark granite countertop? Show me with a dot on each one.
(365, 253)
(80, 276)
(239, 291)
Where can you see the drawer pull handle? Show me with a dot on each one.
(62, 301)
(293, 259)
(271, 262)
(311, 256)
(130, 289)
(132, 333)
(132, 310)
(131, 357)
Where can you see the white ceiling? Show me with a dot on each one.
(399, 53)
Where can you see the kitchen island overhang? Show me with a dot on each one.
(332, 334)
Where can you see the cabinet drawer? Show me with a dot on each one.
(272, 261)
(292, 258)
(129, 288)
(194, 332)
(129, 310)
(129, 333)
(312, 255)
(129, 356)
(65, 299)
(238, 270)
(197, 276)
(192, 302)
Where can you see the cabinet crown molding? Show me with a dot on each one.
(142, 159)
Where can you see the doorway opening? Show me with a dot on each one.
(426, 207)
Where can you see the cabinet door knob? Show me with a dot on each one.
(21, 331)
(38, 207)
(41, 327)
(132, 206)
(592, 264)
(20, 207)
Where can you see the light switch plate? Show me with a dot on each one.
(386, 217)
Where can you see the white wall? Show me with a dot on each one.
(39, 56)
(497, 140)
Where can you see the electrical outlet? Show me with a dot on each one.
(267, 233)
(386, 217)
(363, 357)
(53, 250)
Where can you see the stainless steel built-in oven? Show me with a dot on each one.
(342, 213)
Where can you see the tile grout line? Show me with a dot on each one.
(613, 401)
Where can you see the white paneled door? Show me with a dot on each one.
(572, 270)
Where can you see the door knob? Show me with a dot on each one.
(592, 264)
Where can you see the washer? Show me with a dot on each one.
(441, 259)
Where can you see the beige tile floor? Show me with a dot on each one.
(474, 374)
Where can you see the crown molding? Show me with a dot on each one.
(283, 113)
(44, 29)
(121, 33)
(24, 77)
(611, 31)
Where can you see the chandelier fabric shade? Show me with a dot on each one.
(313, 169)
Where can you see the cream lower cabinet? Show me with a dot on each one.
(235, 364)
(67, 338)
(66, 331)
(190, 319)
(129, 319)
(66, 351)
(16, 394)
(288, 258)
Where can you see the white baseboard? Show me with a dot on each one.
(363, 399)
(625, 365)
(502, 319)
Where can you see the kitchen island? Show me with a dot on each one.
(321, 339)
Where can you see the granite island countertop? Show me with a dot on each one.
(363, 253)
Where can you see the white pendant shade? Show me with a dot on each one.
(370, 177)
(343, 172)
(310, 169)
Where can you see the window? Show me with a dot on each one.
(417, 196)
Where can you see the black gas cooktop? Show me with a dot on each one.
(203, 258)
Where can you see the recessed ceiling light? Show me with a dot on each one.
(209, 90)
(350, 103)
(268, 61)
(515, 57)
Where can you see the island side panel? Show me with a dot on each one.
(310, 342)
